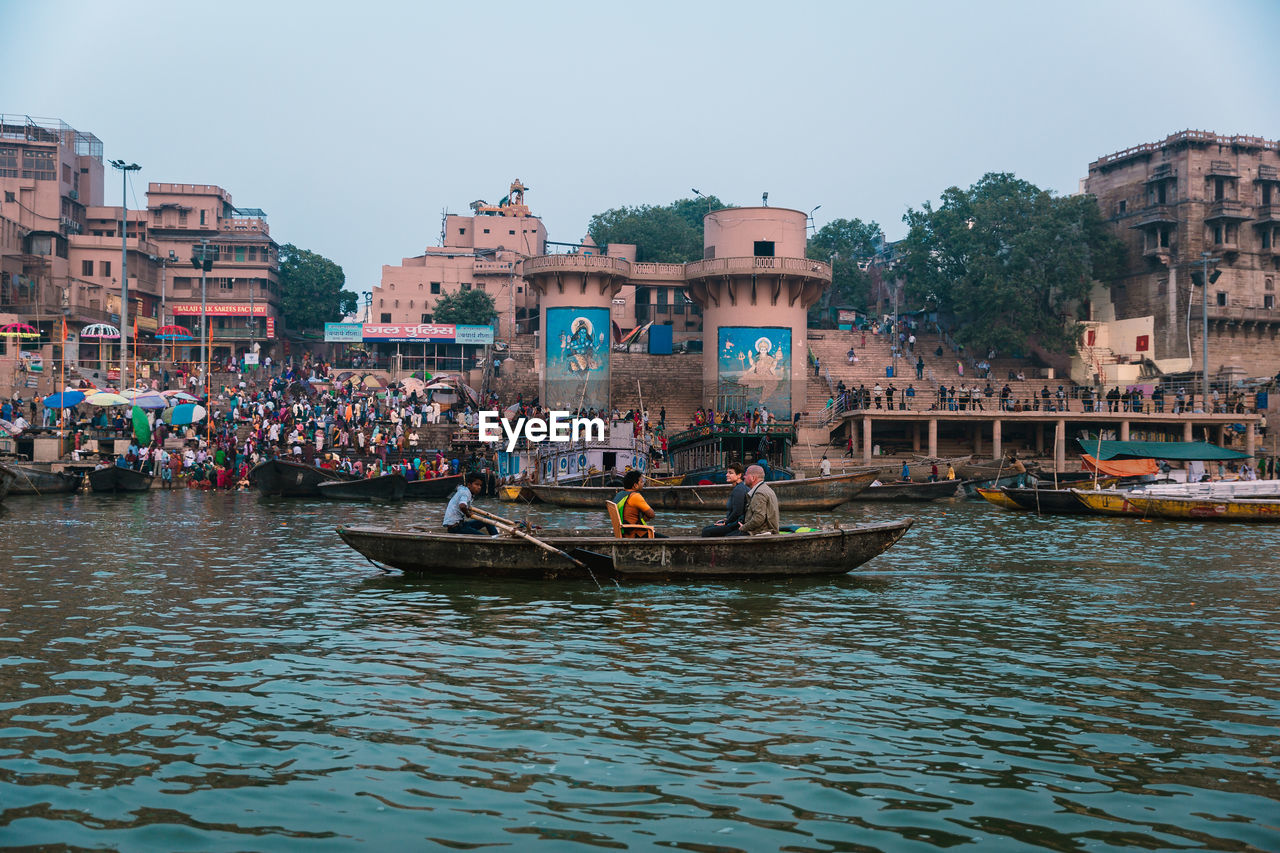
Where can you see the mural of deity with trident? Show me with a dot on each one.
(577, 346)
(759, 361)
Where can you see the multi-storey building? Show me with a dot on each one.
(1172, 201)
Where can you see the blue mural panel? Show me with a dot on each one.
(577, 359)
(755, 362)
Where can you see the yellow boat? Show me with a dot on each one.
(1107, 502)
(999, 498)
(1203, 509)
(509, 493)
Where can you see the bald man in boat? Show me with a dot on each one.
(762, 505)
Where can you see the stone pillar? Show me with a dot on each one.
(915, 437)
(997, 440)
(1250, 439)
(977, 439)
(1186, 431)
(1219, 435)
(1060, 445)
(1124, 430)
(933, 436)
(866, 440)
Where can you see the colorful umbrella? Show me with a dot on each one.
(141, 429)
(9, 428)
(19, 330)
(64, 399)
(106, 398)
(183, 414)
(151, 400)
(180, 396)
(100, 330)
(174, 333)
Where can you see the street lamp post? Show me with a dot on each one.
(203, 263)
(704, 198)
(1205, 258)
(125, 169)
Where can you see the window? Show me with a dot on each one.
(239, 254)
(1120, 208)
(104, 268)
(226, 283)
(39, 165)
(1266, 194)
(86, 268)
(8, 162)
(480, 285)
(519, 290)
(384, 317)
(1217, 234)
(1268, 301)
(253, 253)
(1222, 298)
(202, 217)
(182, 217)
(763, 249)
(1269, 283)
(1219, 189)
(512, 232)
(435, 287)
(486, 230)
(460, 231)
(1266, 238)
(466, 285)
(426, 318)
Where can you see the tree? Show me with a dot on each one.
(844, 243)
(311, 291)
(348, 302)
(1009, 261)
(670, 234)
(465, 308)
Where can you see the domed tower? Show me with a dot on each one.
(575, 293)
(755, 287)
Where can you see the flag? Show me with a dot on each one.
(64, 329)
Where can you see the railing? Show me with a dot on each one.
(1238, 313)
(1226, 209)
(658, 272)
(238, 223)
(1222, 168)
(190, 189)
(1267, 213)
(601, 263)
(493, 267)
(748, 265)
(1188, 136)
(1156, 213)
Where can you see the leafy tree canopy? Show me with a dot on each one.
(670, 234)
(844, 243)
(466, 308)
(348, 302)
(1007, 260)
(311, 289)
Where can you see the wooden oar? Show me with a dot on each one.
(600, 561)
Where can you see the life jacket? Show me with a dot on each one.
(622, 504)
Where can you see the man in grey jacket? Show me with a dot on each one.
(762, 505)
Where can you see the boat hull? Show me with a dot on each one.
(33, 481)
(1047, 501)
(999, 498)
(1107, 502)
(925, 491)
(292, 479)
(826, 552)
(1196, 509)
(7, 476)
(115, 479)
(437, 489)
(388, 487)
(813, 493)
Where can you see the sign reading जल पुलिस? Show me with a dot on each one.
(348, 333)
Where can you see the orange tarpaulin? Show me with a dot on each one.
(1120, 467)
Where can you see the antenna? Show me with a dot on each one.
(444, 218)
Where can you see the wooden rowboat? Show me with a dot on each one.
(30, 480)
(1107, 501)
(509, 493)
(437, 488)
(387, 487)
(790, 555)
(292, 479)
(813, 493)
(1202, 509)
(114, 479)
(1047, 501)
(7, 476)
(999, 498)
(898, 491)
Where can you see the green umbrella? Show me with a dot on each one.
(141, 429)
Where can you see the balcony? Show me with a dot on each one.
(1267, 173)
(1156, 214)
(756, 266)
(1163, 172)
(1226, 209)
(493, 268)
(601, 264)
(244, 224)
(1267, 214)
(1222, 169)
(1237, 314)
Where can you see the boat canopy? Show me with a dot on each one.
(1173, 450)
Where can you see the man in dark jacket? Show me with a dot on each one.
(736, 507)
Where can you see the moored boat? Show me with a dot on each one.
(113, 479)
(812, 493)
(1208, 509)
(387, 487)
(999, 498)
(292, 479)
(7, 476)
(690, 557)
(510, 493)
(30, 480)
(1047, 501)
(903, 491)
(437, 488)
(1107, 501)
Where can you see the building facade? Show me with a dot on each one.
(1172, 201)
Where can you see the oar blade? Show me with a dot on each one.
(593, 560)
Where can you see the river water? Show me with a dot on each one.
(183, 671)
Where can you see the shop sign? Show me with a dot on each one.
(222, 309)
(473, 335)
(271, 327)
(343, 333)
(409, 333)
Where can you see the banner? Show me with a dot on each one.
(409, 333)
(271, 327)
(473, 334)
(756, 362)
(577, 359)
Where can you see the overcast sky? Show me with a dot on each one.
(354, 125)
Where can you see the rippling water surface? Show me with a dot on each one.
(182, 671)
